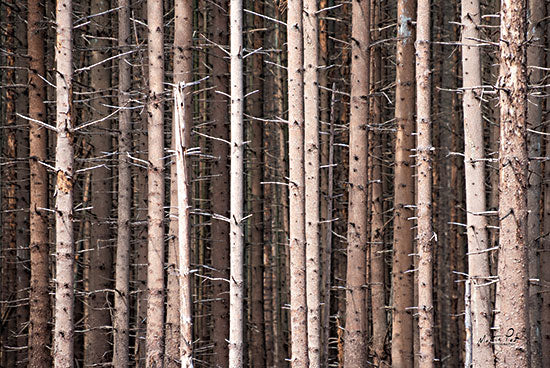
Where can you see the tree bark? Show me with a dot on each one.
(311, 171)
(63, 352)
(474, 155)
(39, 299)
(424, 149)
(99, 256)
(402, 281)
(121, 318)
(236, 235)
(512, 320)
(355, 349)
(298, 307)
(155, 171)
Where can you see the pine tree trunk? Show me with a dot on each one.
(155, 254)
(355, 349)
(63, 351)
(121, 318)
(478, 261)
(236, 235)
(97, 314)
(512, 320)
(39, 299)
(298, 307)
(534, 121)
(402, 281)
(311, 171)
(424, 149)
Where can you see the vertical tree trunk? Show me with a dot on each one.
(236, 235)
(311, 171)
(512, 296)
(377, 267)
(39, 299)
(182, 141)
(63, 351)
(478, 261)
(155, 254)
(402, 281)
(535, 60)
(220, 186)
(257, 324)
(97, 314)
(298, 307)
(121, 318)
(424, 149)
(355, 349)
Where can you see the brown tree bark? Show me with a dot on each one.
(63, 351)
(220, 185)
(99, 256)
(512, 320)
(39, 300)
(355, 349)
(402, 281)
(121, 317)
(155, 171)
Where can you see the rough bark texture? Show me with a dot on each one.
(63, 352)
(97, 314)
(220, 185)
(535, 53)
(512, 321)
(236, 235)
(155, 171)
(424, 149)
(121, 317)
(355, 348)
(298, 307)
(311, 171)
(257, 323)
(402, 281)
(478, 259)
(39, 300)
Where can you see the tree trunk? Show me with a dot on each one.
(424, 149)
(121, 318)
(311, 171)
(99, 256)
(534, 121)
(63, 351)
(355, 349)
(236, 235)
(39, 299)
(478, 261)
(155, 254)
(298, 307)
(512, 320)
(402, 281)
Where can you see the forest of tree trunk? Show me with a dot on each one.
(291, 183)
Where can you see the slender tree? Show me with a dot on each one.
(478, 260)
(424, 149)
(39, 300)
(298, 307)
(512, 320)
(63, 351)
(121, 318)
(155, 171)
(236, 235)
(355, 350)
(312, 180)
(402, 281)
